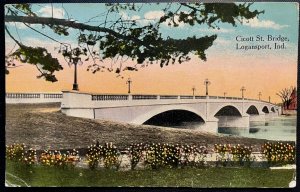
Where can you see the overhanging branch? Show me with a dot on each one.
(71, 24)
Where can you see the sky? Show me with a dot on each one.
(228, 68)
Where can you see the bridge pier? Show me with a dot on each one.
(270, 116)
(210, 126)
(234, 121)
(257, 118)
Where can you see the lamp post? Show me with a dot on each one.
(128, 82)
(193, 89)
(206, 83)
(75, 61)
(75, 85)
(225, 94)
(259, 94)
(242, 90)
(269, 99)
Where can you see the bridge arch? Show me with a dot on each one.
(227, 110)
(265, 109)
(252, 110)
(230, 116)
(141, 119)
(273, 109)
(175, 118)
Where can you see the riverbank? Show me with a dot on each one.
(43, 126)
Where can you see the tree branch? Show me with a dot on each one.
(71, 24)
(20, 44)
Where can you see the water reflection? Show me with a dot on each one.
(279, 128)
(266, 123)
(253, 130)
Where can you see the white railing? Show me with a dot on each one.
(144, 97)
(186, 97)
(109, 97)
(168, 97)
(33, 97)
(57, 97)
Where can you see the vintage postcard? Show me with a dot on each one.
(174, 94)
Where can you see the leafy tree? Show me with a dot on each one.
(118, 37)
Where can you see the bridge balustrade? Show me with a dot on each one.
(22, 95)
(144, 97)
(109, 97)
(200, 97)
(168, 97)
(52, 95)
(186, 97)
(213, 97)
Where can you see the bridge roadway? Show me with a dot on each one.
(213, 111)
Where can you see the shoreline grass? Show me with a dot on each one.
(38, 175)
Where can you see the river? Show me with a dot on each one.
(278, 128)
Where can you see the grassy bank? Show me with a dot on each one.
(189, 177)
(41, 126)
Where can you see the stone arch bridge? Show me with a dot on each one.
(212, 111)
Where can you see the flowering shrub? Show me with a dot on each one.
(135, 154)
(159, 155)
(93, 156)
(108, 153)
(229, 155)
(15, 152)
(190, 155)
(279, 153)
(111, 156)
(223, 154)
(29, 157)
(242, 154)
(155, 155)
(55, 158)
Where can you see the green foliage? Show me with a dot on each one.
(8, 64)
(210, 14)
(25, 8)
(279, 153)
(41, 58)
(143, 43)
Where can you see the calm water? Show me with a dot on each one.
(279, 128)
